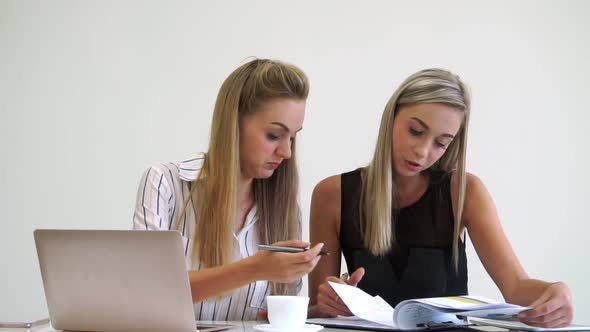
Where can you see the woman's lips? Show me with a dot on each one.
(412, 166)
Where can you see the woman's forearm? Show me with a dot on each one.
(218, 280)
(526, 291)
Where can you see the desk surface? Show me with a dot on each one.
(238, 326)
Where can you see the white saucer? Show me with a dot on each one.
(304, 328)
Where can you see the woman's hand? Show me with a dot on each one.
(286, 267)
(328, 301)
(552, 309)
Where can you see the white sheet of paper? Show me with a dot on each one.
(365, 306)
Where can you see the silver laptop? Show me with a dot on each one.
(107, 280)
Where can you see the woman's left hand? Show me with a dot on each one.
(552, 309)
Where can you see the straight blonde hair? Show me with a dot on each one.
(378, 189)
(242, 93)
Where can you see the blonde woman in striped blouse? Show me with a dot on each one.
(240, 193)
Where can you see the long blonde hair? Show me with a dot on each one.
(426, 86)
(242, 93)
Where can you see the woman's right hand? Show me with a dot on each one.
(286, 267)
(328, 302)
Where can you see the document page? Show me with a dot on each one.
(365, 306)
(470, 303)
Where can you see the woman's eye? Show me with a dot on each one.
(272, 137)
(440, 145)
(415, 132)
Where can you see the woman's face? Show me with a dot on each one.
(266, 136)
(421, 135)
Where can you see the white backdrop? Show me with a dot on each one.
(92, 92)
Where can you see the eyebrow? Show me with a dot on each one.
(426, 126)
(285, 127)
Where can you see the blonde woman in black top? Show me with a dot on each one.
(401, 221)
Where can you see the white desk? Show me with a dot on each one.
(238, 326)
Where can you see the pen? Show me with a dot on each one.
(286, 249)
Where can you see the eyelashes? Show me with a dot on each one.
(274, 137)
(417, 133)
(441, 145)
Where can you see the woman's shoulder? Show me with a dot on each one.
(328, 187)
(186, 170)
(326, 203)
(327, 194)
(472, 182)
(477, 196)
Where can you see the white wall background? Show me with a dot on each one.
(92, 92)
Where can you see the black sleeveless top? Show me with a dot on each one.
(420, 264)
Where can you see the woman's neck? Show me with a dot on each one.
(245, 193)
(408, 190)
(244, 203)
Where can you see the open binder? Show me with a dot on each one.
(373, 313)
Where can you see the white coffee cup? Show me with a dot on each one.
(287, 311)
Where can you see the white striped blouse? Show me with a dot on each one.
(160, 198)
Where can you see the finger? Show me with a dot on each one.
(545, 296)
(540, 309)
(334, 305)
(326, 310)
(333, 279)
(306, 267)
(315, 250)
(328, 295)
(292, 243)
(314, 262)
(356, 277)
(308, 255)
(324, 290)
(331, 298)
(559, 322)
(546, 318)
